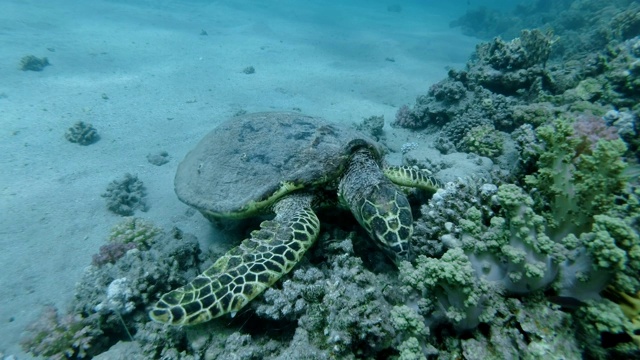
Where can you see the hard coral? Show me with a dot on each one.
(406, 119)
(82, 133)
(341, 304)
(531, 48)
(134, 230)
(110, 253)
(483, 140)
(126, 195)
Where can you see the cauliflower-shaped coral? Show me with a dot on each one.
(132, 233)
(134, 230)
(609, 253)
(483, 140)
(602, 326)
(451, 288)
(82, 133)
(575, 182)
(514, 249)
(533, 47)
(296, 294)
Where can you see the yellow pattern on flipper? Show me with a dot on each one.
(412, 177)
(246, 270)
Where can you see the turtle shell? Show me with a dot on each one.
(248, 162)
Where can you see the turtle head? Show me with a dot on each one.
(386, 215)
(378, 205)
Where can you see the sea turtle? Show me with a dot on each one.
(285, 163)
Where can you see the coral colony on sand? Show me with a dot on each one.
(126, 195)
(538, 259)
(82, 133)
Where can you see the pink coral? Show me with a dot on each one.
(589, 129)
(59, 337)
(406, 119)
(110, 253)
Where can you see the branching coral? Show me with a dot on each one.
(136, 231)
(132, 233)
(110, 253)
(126, 195)
(82, 133)
(533, 47)
(483, 140)
(342, 304)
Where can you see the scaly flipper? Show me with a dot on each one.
(411, 177)
(246, 270)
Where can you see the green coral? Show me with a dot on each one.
(410, 349)
(408, 321)
(134, 230)
(600, 320)
(589, 89)
(535, 114)
(483, 140)
(450, 284)
(514, 248)
(614, 244)
(574, 183)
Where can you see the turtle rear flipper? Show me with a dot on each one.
(246, 270)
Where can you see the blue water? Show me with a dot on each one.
(156, 76)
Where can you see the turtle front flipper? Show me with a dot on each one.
(411, 177)
(378, 205)
(246, 270)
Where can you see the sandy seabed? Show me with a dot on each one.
(148, 79)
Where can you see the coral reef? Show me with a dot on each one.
(110, 300)
(406, 119)
(134, 230)
(110, 253)
(538, 259)
(132, 233)
(342, 304)
(500, 76)
(582, 27)
(126, 195)
(483, 140)
(82, 133)
(33, 63)
(373, 125)
(60, 337)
